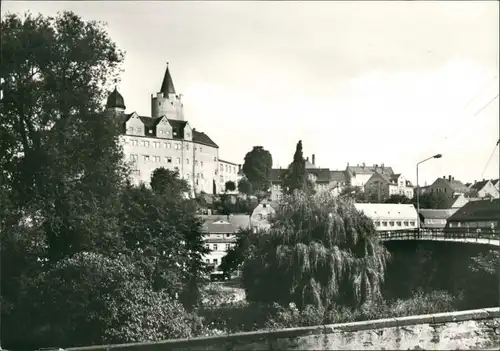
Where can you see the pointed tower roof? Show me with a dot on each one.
(167, 87)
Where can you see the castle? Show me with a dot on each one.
(166, 139)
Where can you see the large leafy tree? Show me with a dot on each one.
(169, 183)
(257, 168)
(433, 200)
(295, 177)
(59, 156)
(244, 186)
(320, 251)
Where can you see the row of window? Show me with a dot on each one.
(394, 223)
(215, 247)
(157, 159)
(482, 224)
(228, 168)
(159, 145)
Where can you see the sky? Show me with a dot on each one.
(375, 82)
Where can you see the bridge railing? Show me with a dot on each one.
(439, 234)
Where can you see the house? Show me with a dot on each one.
(219, 235)
(435, 219)
(381, 186)
(390, 217)
(482, 215)
(322, 178)
(357, 176)
(259, 220)
(496, 183)
(484, 188)
(449, 186)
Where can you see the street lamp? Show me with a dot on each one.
(418, 189)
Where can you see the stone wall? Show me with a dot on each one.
(464, 330)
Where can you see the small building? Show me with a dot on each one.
(484, 188)
(448, 186)
(435, 219)
(390, 217)
(381, 186)
(260, 218)
(357, 176)
(482, 215)
(220, 235)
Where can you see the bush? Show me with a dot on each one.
(91, 299)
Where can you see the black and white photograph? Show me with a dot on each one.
(249, 175)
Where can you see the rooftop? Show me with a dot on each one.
(482, 210)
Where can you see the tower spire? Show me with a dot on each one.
(167, 87)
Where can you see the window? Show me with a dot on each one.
(226, 168)
(377, 223)
(201, 149)
(177, 146)
(201, 163)
(156, 144)
(221, 179)
(216, 261)
(139, 130)
(187, 146)
(228, 247)
(207, 260)
(178, 160)
(168, 145)
(384, 223)
(221, 168)
(398, 223)
(412, 223)
(188, 135)
(215, 159)
(145, 157)
(187, 160)
(168, 159)
(405, 223)
(391, 223)
(187, 175)
(196, 162)
(134, 142)
(215, 247)
(157, 159)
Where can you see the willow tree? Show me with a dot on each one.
(319, 251)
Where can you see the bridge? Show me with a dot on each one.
(491, 238)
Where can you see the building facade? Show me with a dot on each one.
(484, 188)
(323, 179)
(381, 186)
(450, 187)
(390, 217)
(220, 235)
(228, 172)
(358, 176)
(475, 216)
(166, 139)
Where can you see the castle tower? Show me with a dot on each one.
(167, 102)
(115, 105)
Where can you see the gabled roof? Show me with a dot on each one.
(322, 174)
(150, 122)
(177, 128)
(479, 185)
(495, 181)
(231, 163)
(437, 214)
(455, 185)
(351, 170)
(202, 138)
(167, 86)
(483, 210)
(221, 224)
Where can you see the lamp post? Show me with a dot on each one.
(418, 189)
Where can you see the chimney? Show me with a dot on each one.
(307, 159)
(239, 168)
(444, 177)
(313, 159)
(449, 178)
(363, 165)
(382, 165)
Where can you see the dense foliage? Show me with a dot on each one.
(320, 251)
(257, 168)
(244, 186)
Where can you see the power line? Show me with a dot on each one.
(489, 160)
(479, 91)
(484, 106)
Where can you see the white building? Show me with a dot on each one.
(219, 235)
(390, 216)
(166, 139)
(228, 172)
(381, 186)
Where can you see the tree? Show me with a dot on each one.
(230, 186)
(319, 251)
(60, 157)
(356, 193)
(168, 183)
(398, 199)
(111, 302)
(432, 200)
(295, 177)
(244, 186)
(257, 168)
(236, 255)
